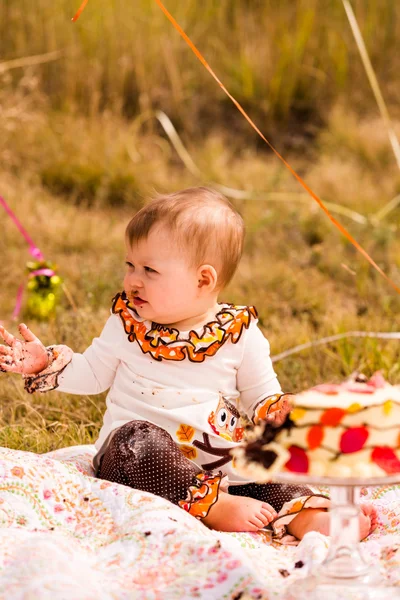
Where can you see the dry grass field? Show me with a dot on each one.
(81, 150)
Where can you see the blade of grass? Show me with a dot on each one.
(373, 80)
(334, 338)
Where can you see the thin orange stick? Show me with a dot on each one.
(299, 179)
(80, 10)
(201, 58)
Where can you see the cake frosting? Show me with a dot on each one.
(346, 430)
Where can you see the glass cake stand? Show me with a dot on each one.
(344, 574)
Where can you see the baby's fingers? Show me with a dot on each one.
(27, 333)
(5, 358)
(5, 351)
(7, 365)
(7, 337)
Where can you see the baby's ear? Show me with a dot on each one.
(207, 277)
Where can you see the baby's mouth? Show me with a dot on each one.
(138, 301)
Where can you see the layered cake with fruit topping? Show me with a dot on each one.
(346, 430)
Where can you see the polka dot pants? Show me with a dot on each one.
(145, 457)
(275, 494)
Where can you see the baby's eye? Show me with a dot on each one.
(150, 270)
(130, 265)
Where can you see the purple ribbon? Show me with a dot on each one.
(46, 272)
(18, 302)
(33, 249)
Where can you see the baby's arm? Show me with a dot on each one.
(261, 396)
(89, 373)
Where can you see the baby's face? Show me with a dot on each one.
(159, 281)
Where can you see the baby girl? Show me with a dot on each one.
(184, 371)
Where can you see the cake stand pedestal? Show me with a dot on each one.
(344, 574)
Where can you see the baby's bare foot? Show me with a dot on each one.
(368, 520)
(313, 519)
(239, 513)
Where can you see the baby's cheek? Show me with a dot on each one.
(127, 287)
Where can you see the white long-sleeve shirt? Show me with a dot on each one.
(193, 384)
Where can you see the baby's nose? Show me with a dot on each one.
(133, 281)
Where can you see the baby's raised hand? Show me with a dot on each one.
(279, 410)
(27, 356)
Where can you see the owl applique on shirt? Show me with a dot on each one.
(225, 421)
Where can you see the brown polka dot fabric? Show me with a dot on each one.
(145, 457)
(275, 494)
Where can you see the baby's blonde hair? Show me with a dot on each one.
(205, 225)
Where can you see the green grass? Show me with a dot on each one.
(287, 62)
(81, 150)
(304, 278)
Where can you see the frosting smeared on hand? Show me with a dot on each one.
(27, 357)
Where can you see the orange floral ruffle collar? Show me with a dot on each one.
(164, 343)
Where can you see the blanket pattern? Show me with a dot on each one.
(65, 535)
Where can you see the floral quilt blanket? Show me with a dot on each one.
(65, 535)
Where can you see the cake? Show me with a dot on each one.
(346, 430)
